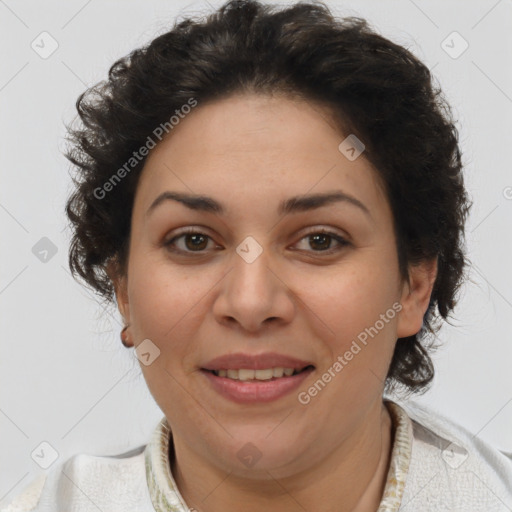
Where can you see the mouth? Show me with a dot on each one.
(267, 374)
(249, 386)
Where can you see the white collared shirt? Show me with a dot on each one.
(435, 466)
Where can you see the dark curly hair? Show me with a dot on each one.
(375, 89)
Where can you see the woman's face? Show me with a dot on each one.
(256, 280)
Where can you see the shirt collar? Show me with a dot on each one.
(400, 458)
(166, 497)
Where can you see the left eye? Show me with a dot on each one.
(323, 238)
(199, 241)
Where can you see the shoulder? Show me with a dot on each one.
(453, 469)
(87, 482)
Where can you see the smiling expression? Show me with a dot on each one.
(263, 177)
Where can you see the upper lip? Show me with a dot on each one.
(255, 362)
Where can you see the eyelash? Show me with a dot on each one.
(191, 231)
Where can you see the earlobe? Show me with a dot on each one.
(416, 297)
(125, 339)
(121, 295)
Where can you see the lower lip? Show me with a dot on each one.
(244, 392)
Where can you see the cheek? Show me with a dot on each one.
(349, 301)
(356, 307)
(159, 298)
(161, 310)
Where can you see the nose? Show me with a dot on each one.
(254, 293)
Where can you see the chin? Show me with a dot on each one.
(252, 454)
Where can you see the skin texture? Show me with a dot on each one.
(250, 152)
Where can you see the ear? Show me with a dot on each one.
(416, 297)
(119, 282)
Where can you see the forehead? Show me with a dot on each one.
(249, 147)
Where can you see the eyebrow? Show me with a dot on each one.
(291, 205)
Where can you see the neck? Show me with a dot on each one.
(351, 478)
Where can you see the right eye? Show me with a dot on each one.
(194, 241)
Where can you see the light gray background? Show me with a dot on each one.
(66, 378)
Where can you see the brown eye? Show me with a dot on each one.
(193, 241)
(197, 242)
(322, 240)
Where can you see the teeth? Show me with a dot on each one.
(263, 374)
(278, 372)
(246, 374)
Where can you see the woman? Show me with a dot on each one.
(275, 200)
